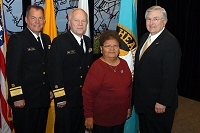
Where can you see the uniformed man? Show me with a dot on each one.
(26, 65)
(71, 56)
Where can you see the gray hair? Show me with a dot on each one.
(71, 13)
(162, 11)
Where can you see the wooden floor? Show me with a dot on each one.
(187, 117)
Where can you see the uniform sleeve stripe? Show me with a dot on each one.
(60, 89)
(16, 92)
(14, 88)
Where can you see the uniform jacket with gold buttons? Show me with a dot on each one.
(68, 66)
(26, 65)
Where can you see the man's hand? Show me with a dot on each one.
(159, 108)
(19, 104)
(51, 95)
(61, 104)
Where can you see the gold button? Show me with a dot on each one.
(80, 86)
(43, 72)
(80, 67)
(43, 83)
(56, 86)
(81, 77)
(88, 66)
(13, 85)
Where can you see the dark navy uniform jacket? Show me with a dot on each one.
(68, 67)
(26, 67)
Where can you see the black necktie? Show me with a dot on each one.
(39, 42)
(82, 44)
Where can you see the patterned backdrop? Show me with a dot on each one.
(105, 15)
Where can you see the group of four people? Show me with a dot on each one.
(99, 95)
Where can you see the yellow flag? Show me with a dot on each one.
(50, 29)
(50, 25)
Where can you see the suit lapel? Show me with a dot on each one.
(34, 43)
(153, 45)
(46, 43)
(137, 55)
(87, 46)
(75, 44)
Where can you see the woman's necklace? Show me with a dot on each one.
(113, 68)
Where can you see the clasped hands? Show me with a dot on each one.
(159, 108)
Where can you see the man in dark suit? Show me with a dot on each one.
(156, 74)
(26, 65)
(68, 66)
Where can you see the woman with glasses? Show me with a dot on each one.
(107, 89)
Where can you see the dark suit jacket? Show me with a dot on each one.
(68, 68)
(156, 73)
(26, 65)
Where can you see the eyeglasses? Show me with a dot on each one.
(110, 46)
(155, 20)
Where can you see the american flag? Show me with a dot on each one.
(5, 123)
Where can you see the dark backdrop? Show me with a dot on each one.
(184, 23)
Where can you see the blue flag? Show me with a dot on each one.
(127, 29)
